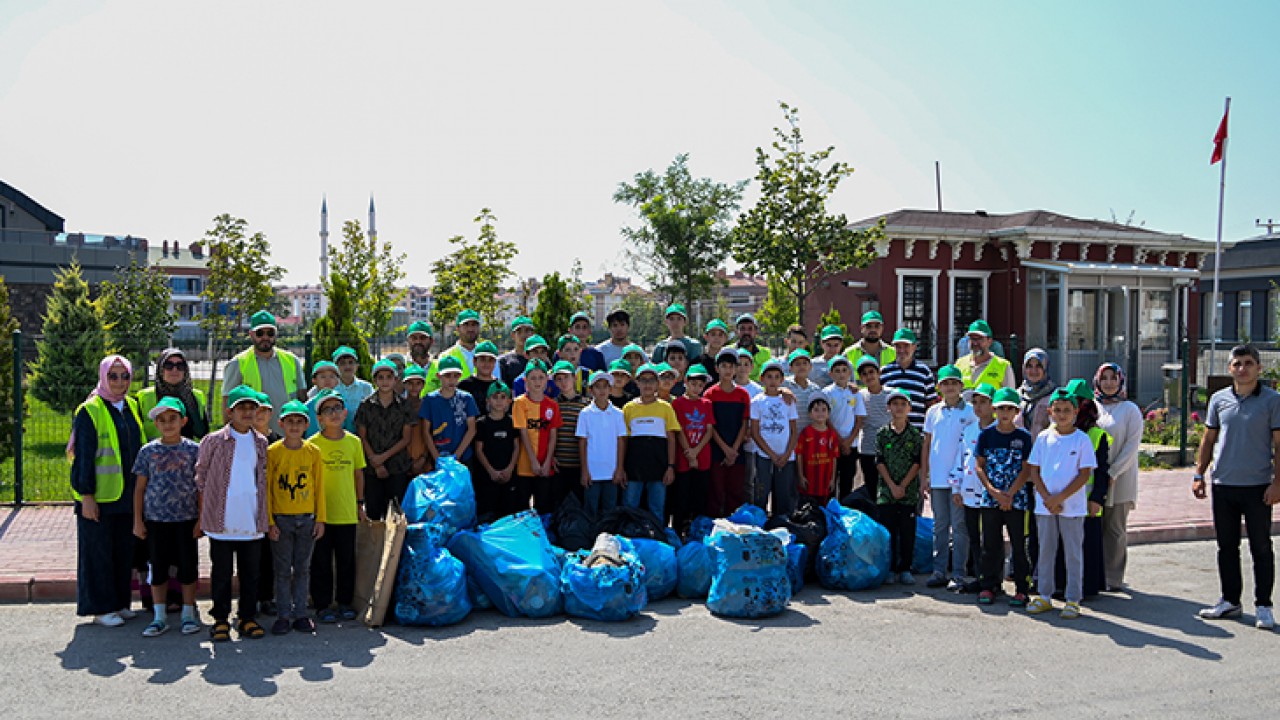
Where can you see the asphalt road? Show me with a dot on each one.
(891, 652)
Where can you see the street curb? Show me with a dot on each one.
(1179, 533)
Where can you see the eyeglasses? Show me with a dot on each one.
(118, 376)
(174, 365)
(264, 332)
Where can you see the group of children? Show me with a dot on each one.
(678, 439)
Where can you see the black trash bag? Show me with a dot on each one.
(809, 526)
(632, 523)
(862, 501)
(572, 526)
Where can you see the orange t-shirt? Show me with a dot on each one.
(538, 418)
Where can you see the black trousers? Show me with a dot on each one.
(514, 495)
(1230, 505)
(973, 524)
(687, 497)
(846, 470)
(995, 522)
(488, 493)
(246, 555)
(900, 521)
(104, 563)
(870, 476)
(549, 492)
(378, 493)
(334, 554)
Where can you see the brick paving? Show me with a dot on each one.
(38, 543)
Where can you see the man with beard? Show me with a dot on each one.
(981, 365)
(468, 329)
(420, 341)
(747, 330)
(265, 368)
(872, 342)
(908, 373)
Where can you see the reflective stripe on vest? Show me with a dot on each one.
(107, 470)
(1095, 436)
(250, 376)
(992, 374)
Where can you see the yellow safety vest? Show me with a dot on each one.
(992, 375)
(855, 353)
(1095, 436)
(250, 376)
(147, 400)
(107, 462)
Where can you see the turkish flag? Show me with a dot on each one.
(1220, 139)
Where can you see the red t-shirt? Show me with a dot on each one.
(696, 419)
(817, 452)
(539, 419)
(731, 410)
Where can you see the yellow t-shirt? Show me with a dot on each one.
(653, 419)
(294, 481)
(340, 460)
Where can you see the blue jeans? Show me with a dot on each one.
(601, 497)
(950, 534)
(656, 493)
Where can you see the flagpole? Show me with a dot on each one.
(1217, 253)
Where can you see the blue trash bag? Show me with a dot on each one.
(660, 570)
(431, 584)
(922, 558)
(797, 557)
(606, 592)
(750, 578)
(700, 529)
(442, 498)
(512, 563)
(749, 515)
(673, 538)
(855, 553)
(547, 521)
(695, 569)
(479, 600)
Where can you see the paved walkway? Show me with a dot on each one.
(38, 543)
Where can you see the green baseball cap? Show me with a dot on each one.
(872, 316)
(486, 348)
(323, 365)
(418, 326)
(745, 353)
(536, 341)
(536, 365)
(261, 319)
(467, 316)
(498, 388)
(620, 366)
(986, 391)
(415, 372)
(773, 364)
(905, 335)
(264, 400)
(864, 360)
(717, 324)
(1080, 388)
(521, 321)
(563, 366)
(345, 351)
(664, 369)
(579, 316)
(798, 354)
(979, 327)
(1064, 394)
(385, 365)
(448, 364)
(676, 309)
(168, 404)
(294, 407)
(898, 393)
(565, 339)
(325, 396)
(697, 371)
(950, 372)
(632, 348)
(840, 360)
(1005, 397)
(242, 393)
(647, 369)
(831, 331)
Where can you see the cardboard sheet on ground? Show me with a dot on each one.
(378, 546)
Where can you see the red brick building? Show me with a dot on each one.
(1087, 291)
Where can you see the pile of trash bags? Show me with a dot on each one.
(632, 523)
(571, 527)
(808, 525)
(661, 572)
(606, 582)
(750, 577)
(513, 564)
(443, 499)
(855, 553)
(431, 584)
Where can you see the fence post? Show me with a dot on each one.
(1186, 407)
(18, 416)
(306, 360)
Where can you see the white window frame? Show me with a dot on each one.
(952, 275)
(931, 273)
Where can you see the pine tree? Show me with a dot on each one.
(337, 327)
(74, 343)
(555, 306)
(7, 325)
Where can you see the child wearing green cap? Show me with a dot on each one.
(623, 390)
(898, 446)
(447, 417)
(651, 446)
(715, 337)
(696, 416)
(494, 464)
(165, 510)
(568, 460)
(831, 340)
(478, 383)
(384, 425)
(324, 376)
(333, 561)
(295, 511)
(537, 418)
(677, 319)
(798, 382)
(415, 382)
(1000, 464)
(966, 483)
(591, 358)
(352, 389)
(602, 446)
(942, 462)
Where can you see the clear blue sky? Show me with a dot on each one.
(150, 117)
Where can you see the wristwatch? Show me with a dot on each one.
(360, 503)
(1197, 477)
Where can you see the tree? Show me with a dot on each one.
(789, 231)
(830, 317)
(373, 270)
(337, 327)
(684, 231)
(135, 309)
(7, 325)
(555, 306)
(646, 318)
(779, 310)
(473, 274)
(74, 344)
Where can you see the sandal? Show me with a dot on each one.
(220, 632)
(190, 626)
(250, 629)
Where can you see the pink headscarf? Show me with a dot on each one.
(103, 390)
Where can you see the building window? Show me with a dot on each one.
(1082, 320)
(968, 303)
(1156, 321)
(917, 312)
(1244, 318)
(1208, 305)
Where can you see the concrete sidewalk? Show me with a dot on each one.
(38, 544)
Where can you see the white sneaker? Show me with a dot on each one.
(1223, 609)
(109, 620)
(127, 614)
(1266, 620)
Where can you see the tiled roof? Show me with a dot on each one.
(990, 222)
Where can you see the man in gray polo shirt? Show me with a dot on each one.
(1242, 438)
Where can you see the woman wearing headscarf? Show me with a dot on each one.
(1036, 388)
(173, 379)
(1122, 419)
(106, 435)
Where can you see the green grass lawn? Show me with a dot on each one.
(45, 466)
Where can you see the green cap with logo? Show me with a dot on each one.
(486, 348)
(905, 335)
(831, 331)
(385, 365)
(242, 393)
(620, 366)
(563, 366)
(676, 309)
(665, 369)
(950, 372)
(448, 364)
(261, 319)
(294, 407)
(536, 341)
(717, 324)
(872, 316)
(647, 369)
(345, 351)
(467, 316)
(264, 400)
(419, 326)
(979, 327)
(1005, 397)
(323, 365)
(168, 404)
(864, 361)
(415, 372)
(521, 321)
(697, 371)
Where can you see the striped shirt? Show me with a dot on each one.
(877, 405)
(917, 380)
(566, 451)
